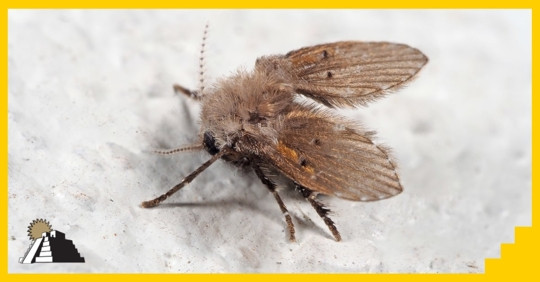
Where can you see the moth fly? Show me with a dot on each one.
(252, 120)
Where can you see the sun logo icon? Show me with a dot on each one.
(37, 227)
(49, 245)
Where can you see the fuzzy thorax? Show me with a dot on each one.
(245, 109)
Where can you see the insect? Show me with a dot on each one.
(252, 119)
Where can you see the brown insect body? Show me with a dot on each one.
(253, 119)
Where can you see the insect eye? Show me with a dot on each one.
(210, 143)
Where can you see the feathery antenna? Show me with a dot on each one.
(196, 94)
(201, 60)
(180, 149)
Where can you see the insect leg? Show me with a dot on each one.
(321, 210)
(194, 94)
(188, 179)
(272, 187)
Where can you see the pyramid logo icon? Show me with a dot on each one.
(49, 245)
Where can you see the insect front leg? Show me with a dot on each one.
(272, 187)
(321, 210)
(194, 94)
(184, 182)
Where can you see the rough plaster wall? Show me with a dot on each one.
(90, 94)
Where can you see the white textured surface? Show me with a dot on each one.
(90, 92)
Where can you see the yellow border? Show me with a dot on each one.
(519, 261)
(317, 4)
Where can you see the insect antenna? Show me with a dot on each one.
(185, 181)
(179, 150)
(196, 94)
(201, 60)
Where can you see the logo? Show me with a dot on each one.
(49, 245)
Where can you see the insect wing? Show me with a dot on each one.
(334, 157)
(348, 73)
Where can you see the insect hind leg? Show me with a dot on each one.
(272, 187)
(321, 210)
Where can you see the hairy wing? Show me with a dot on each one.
(347, 73)
(333, 156)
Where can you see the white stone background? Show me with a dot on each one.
(90, 94)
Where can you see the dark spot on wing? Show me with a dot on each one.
(325, 54)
